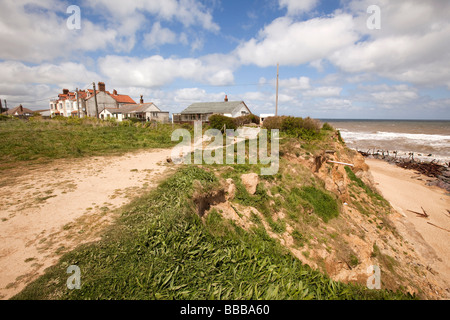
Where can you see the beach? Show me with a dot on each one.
(406, 190)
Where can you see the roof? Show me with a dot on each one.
(141, 107)
(122, 98)
(19, 110)
(213, 107)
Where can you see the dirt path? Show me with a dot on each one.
(49, 209)
(407, 190)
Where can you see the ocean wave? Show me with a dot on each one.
(419, 138)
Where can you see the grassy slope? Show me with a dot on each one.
(68, 138)
(161, 249)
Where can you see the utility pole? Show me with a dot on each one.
(6, 106)
(276, 99)
(95, 98)
(78, 105)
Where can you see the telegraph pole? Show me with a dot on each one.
(78, 105)
(276, 99)
(95, 98)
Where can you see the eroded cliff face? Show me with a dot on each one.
(366, 232)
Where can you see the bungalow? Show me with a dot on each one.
(143, 111)
(19, 111)
(263, 116)
(203, 110)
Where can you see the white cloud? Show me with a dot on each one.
(323, 92)
(34, 32)
(187, 12)
(301, 83)
(298, 6)
(159, 36)
(190, 95)
(157, 71)
(14, 72)
(295, 43)
(410, 46)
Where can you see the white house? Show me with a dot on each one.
(203, 110)
(263, 116)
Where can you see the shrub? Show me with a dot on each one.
(247, 119)
(217, 121)
(327, 126)
(273, 122)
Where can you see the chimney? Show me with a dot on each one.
(142, 98)
(115, 92)
(20, 108)
(101, 86)
(65, 91)
(226, 98)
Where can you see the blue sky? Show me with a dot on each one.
(332, 65)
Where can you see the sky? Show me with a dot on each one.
(338, 59)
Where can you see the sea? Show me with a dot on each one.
(428, 140)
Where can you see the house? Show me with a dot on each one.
(263, 116)
(19, 111)
(143, 111)
(66, 104)
(105, 99)
(203, 110)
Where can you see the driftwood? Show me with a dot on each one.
(438, 227)
(430, 169)
(448, 213)
(343, 163)
(423, 215)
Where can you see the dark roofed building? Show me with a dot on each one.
(203, 110)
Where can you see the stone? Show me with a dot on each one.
(250, 181)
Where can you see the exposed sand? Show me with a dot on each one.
(407, 190)
(49, 209)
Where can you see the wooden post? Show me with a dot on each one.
(276, 99)
(95, 98)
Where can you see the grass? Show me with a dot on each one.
(161, 249)
(72, 138)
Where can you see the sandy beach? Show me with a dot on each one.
(406, 190)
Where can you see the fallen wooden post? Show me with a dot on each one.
(423, 215)
(438, 227)
(343, 163)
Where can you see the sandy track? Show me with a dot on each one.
(49, 209)
(407, 190)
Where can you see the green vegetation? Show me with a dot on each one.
(161, 249)
(377, 197)
(307, 129)
(39, 139)
(323, 203)
(217, 121)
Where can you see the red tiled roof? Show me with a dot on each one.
(123, 98)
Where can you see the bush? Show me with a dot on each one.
(326, 126)
(217, 121)
(273, 122)
(307, 128)
(247, 119)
